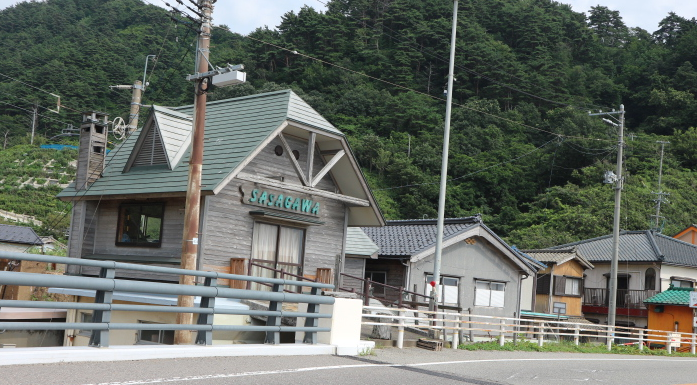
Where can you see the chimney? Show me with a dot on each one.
(92, 150)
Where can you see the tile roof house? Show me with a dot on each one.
(649, 262)
(559, 286)
(18, 238)
(479, 270)
(279, 187)
(688, 234)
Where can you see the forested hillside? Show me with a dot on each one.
(523, 152)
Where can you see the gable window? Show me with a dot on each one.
(275, 248)
(447, 290)
(489, 293)
(140, 224)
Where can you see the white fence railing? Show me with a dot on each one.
(454, 326)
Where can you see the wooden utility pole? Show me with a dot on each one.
(190, 239)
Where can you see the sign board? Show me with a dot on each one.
(693, 299)
(674, 340)
(289, 202)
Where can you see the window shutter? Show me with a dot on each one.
(559, 285)
(542, 284)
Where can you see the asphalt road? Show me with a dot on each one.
(386, 366)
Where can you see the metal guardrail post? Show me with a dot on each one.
(205, 337)
(577, 331)
(311, 337)
(641, 340)
(274, 337)
(400, 329)
(668, 335)
(502, 333)
(100, 338)
(540, 336)
(693, 343)
(609, 338)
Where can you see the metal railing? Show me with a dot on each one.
(106, 285)
(517, 329)
(630, 299)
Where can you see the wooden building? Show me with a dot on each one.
(670, 310)
(559, 287)
(280, 187)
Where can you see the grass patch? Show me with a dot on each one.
(568, 347)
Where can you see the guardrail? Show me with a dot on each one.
(106, 285)
(541, 331)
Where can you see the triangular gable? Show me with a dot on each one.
(163, 140)
(484, 232)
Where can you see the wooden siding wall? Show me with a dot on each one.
(101, 237)
(355, 267)
(573, 304)
(228, 226)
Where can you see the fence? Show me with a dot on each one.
(106, 285)
(391, 296)
(513, 329)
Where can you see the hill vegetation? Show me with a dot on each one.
(524, 152)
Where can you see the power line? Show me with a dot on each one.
(505, 85)
(474, 172)
(423, 93)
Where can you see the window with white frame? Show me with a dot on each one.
(447, 290)
(489, 293)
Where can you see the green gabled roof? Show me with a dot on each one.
(234, 129)
(672, 296)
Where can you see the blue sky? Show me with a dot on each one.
(244, 16)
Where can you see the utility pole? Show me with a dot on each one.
(193, 192)
(34, 118)
(136, 97)
(660, 195)
(612, 302)
(138, 88)
(444, 165)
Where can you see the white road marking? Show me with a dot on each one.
(318, 368)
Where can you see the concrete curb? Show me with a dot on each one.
(30, 356)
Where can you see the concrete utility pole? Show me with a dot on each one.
(193, 191)
(660, 195)
(444, 164)
(34, 117)
(138, 89)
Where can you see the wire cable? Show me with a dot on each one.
(474, 172)
(423, 93)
